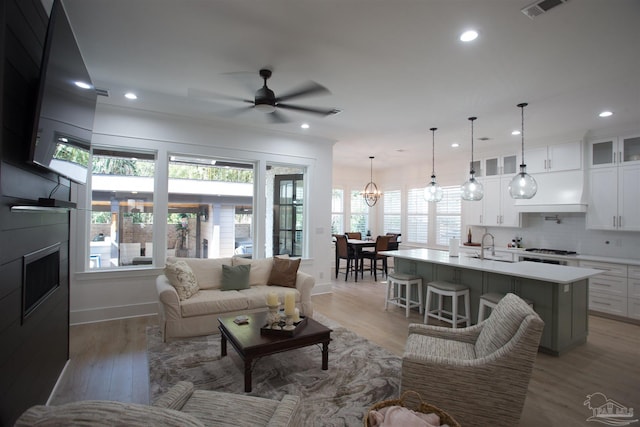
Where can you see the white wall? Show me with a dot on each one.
(100, 295)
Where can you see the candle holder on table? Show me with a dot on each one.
(289, 323)
(273, 317)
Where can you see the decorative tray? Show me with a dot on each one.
(298, 326)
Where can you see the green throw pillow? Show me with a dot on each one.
(236, 277)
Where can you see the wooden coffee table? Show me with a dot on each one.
(250, 344)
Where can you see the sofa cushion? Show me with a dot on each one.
(208, 271)
(284, 272)
(260, 269)
(182, 278)
(235, 277)
(502, 324)
(210, 301)
(105, 413)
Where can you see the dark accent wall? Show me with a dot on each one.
(34, 352)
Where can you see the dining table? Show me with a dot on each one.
(357, 246)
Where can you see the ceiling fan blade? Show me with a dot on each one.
(277, 117)
(312, 110)
(207, 94)
(232, 112)
(308, 89)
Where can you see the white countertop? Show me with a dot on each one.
(530, 270)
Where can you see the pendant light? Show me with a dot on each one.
(371, 193)
(472, 189)
(523, 185)
(433, 192)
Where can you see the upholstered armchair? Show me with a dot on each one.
(480, 374)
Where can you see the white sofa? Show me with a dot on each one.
(197, 315)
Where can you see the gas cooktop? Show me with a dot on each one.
(550, 251)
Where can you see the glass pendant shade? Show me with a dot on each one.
(472, 190)
(371, 194)
(433, 192)
(523, 185)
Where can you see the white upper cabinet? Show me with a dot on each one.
(614, 151)
(614, 190)
(501, 165)
(554, 158)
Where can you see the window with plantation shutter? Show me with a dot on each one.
(359, 220)
(392, 212)
(337, 211)
(417, 216)
(448, 215)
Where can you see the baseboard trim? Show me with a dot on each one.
(101, 314)
(322, 288)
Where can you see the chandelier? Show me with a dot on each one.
(371, 193)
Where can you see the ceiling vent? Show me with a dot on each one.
(102, 92)
(540, 7)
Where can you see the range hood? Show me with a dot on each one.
(557, 192)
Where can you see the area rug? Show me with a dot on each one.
(360, 373)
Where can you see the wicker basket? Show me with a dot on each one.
(423, 407)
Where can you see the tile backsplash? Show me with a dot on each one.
(566, 231)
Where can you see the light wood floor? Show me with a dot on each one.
(108, 359)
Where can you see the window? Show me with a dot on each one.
(392, 212)
(359, 220)
(448, 215)
(210, 207)
(120, 230)
(337, 211)
(417, 216)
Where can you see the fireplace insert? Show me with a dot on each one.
(40, 277)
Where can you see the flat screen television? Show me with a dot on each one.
(65, 105)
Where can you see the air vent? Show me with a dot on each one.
(102, 92)
(540, 7)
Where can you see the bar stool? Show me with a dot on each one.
(447, 289)
(395, 284)
(490, 300)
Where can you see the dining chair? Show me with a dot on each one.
(343, 251)
(382, 244)
(354, 235)
(393, 241)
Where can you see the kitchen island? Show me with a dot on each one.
(559, 293)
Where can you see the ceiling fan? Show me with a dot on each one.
(266, 101)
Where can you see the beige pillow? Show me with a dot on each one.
(182, 278)
(284, 272)
(260, 269)
(208, 271)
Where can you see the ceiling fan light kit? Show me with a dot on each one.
(371, 194)
(523, 185)
(433, 192)
(472, 189)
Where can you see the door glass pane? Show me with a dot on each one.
(286, 192)
(285, 228)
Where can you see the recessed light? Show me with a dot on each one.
(455, 145)
(83, 85)
(130, 95)
(606, 114)
(515, 132)
(305, 126)
(469, 35)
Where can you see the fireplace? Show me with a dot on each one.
(40, 277)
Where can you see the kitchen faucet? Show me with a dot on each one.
(493, 245)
